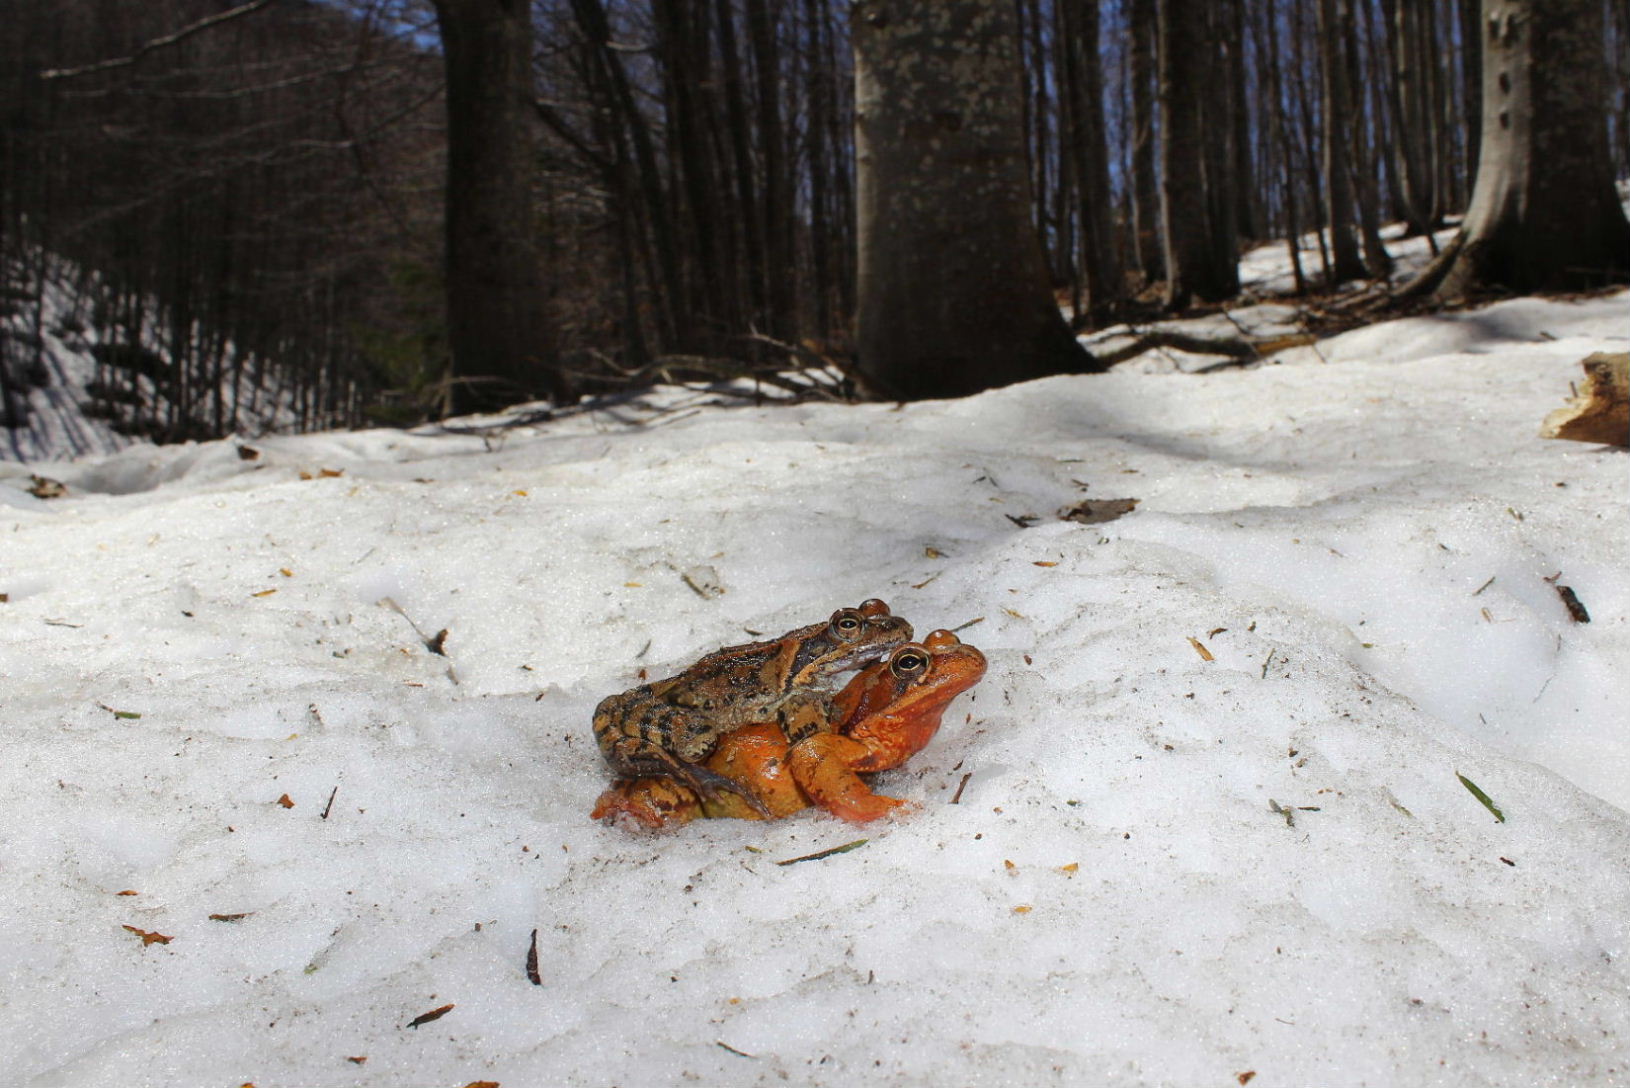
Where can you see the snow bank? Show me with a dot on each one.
(1162, 869)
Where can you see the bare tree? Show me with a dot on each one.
(496, 318)
(1084, 108)
(1544, 213)
(1145, 189)
(1198, 227)
(954, 294)
(1335, 26)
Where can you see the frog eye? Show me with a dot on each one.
(940, 641)
(846, 624)
(873, 607)
(909, 662)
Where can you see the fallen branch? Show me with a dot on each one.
(1240, 351)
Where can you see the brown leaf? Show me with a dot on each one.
(330, 473)
(532, 974)
(230, 917)
(286, 801)
(42, 488)
(1025, 909)
(1044, 562)
(248, 453)
(1245, 1077)
(1097, 511)
(264, 593)
(482, 1084)
(1072, 868)
(433, 1014)
(933, 553)
(1199, 648)
(127, 891)
(149, 936)
(358, 1060)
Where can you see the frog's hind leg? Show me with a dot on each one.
(633, 759)
(824, 766)
(711, 783)
(647, 804)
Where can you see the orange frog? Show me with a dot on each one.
(669, 727)
(884, 716)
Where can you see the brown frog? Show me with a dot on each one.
(669, 727)
(886, 714)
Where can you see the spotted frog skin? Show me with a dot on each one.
(885, 715)
(667, 728)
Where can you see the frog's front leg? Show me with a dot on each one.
(805, 713)
(827, 768)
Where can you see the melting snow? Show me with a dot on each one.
(1262, 863)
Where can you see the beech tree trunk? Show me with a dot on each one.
(1151, 253)
(954, 293)
(1335, 25)
(1078, 25)
(1544, 214)
(496, 323)
(1198, 261)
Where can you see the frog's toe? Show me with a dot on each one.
(647, 804)
(711, 783)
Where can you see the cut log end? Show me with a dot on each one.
(1600, 412)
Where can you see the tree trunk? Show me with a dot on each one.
(1145, 189)
(1078, 25)
(1416, 77)
(1246, 214)
(1197, 262)
(1544, 214)
(1361, 159)
(954, 293)
(1279, 136)
(778, 203)
(1334, 24)
(496, 323)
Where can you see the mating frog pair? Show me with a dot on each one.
(747, 732)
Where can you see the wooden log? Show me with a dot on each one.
(1600, 412)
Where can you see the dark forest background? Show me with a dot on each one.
(249, 186)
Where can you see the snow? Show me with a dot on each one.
(1277, 869)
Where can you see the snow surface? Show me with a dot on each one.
(1362, 545)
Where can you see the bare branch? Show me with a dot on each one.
(156, 44)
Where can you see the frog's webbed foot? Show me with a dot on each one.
(711, 783)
